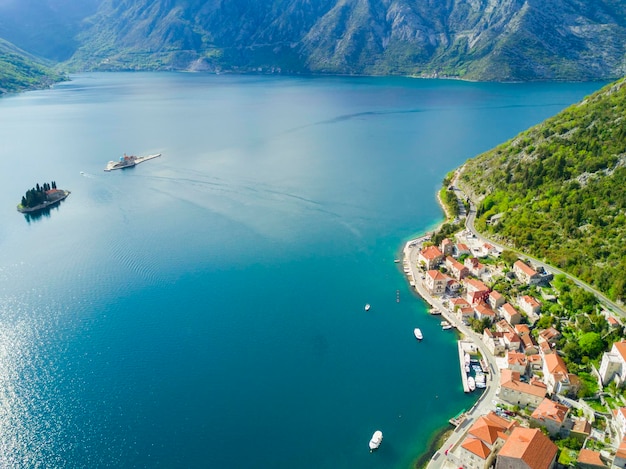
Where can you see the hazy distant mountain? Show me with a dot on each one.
(472, 39)
(45, 28)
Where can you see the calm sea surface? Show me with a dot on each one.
(205, 309)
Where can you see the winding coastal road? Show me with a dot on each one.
(444, 458)
(469, 224)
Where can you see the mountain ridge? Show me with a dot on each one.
(501, 40)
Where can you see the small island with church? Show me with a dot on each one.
(41, 197)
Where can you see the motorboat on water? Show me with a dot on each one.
(480, 380)
(418, 333)
(471, 384)
(467, 359)
(377, 439)
(367, 307)
(467, 369)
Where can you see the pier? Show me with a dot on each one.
(462, 365)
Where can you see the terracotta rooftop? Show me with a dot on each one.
(529, 300)
(431, 252)
(550, 410)
(621, 349)
(555, 364)
(436, 275)
(587, 456)
(531, 446)
(525, 268)
(511, 380)
(581, 426)
(474, 445)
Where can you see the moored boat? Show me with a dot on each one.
(471, 384)
(418, 333)
(377, 439)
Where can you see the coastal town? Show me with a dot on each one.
(540, 408)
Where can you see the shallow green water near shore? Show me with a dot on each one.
(205, 309)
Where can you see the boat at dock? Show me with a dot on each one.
(128, 161)
(445, 325)
(471, 384)
(418, 333)
(435, 312)
(377, 439)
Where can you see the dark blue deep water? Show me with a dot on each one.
(205, 309)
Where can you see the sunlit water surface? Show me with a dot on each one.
(205, 308)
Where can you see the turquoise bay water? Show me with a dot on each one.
(205, 309)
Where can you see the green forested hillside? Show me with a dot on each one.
(19, 72)
(561, 190)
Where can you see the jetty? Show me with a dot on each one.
(129, 161)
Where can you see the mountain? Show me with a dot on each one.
(44, 28)
(559, 190)
(478, 39)
(20, 71)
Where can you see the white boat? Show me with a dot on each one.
(467, 369)
(418, 333)
(466, 358)
(471, 384)
(367, 307)
(377, 439)
(481, 381)
(448, 327)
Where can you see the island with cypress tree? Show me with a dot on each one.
(41, 197)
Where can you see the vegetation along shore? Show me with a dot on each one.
(554, 345)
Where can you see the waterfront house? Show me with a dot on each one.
(530, 306)
(462, 250)
(552, 416)
(527, 448)
(557, 378)
(535, 362)
(494, 342)
(581, 429)
(528, 344)
(487, 249)
(544, 348)
(483, 311)
(436, 282)
(517, 362)
(495, 299)
(474, 266)
(430, 256)
(516, 392)
(510, 314)
(453, 286)
(475, 291)
(456, 269)
(549, 335)
(613, 365)
(447, 247)
(484, 438)
(522, 329)
(589, 459)
(525, 273)
(512, 341)
(462, 309)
